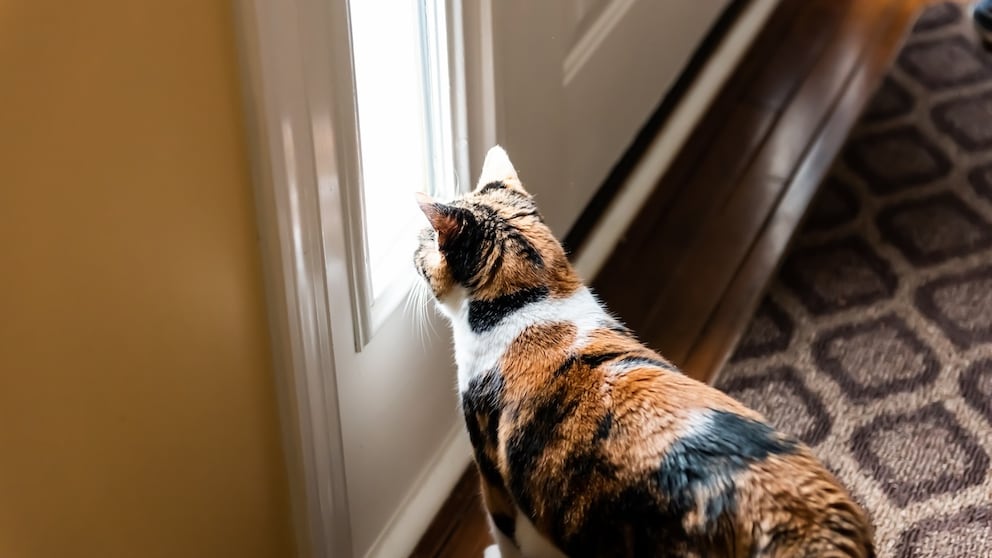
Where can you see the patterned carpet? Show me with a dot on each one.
(874, 344)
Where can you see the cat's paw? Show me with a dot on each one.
(491, 551)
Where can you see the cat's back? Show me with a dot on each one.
(612, 452)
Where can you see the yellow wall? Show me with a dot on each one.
(137, 413)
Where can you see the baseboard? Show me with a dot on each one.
(425, 498)
(624, 205)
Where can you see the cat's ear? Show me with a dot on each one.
(498, 168)
(447, 220)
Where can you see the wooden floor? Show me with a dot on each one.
(693, 265)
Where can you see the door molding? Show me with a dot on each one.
(283, 46)
(585, 48)
(622, 207)
(302, 132)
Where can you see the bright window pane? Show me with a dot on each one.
(394, 125)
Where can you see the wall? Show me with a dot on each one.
(137, 413)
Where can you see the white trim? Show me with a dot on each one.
(594, 36)
(303, 134)
(425, 498)
(459, 97)
(482, 101)
(625, 205)
(329, 72)
(277, 47)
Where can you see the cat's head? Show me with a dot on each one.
(490, 242)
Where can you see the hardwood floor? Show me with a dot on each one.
(693, 265)
(460, 528)
(691, 269)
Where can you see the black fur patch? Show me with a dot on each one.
(580, 470)
(527, 443)
(501, 228)
(649, 363)
(500, 185)
(483, 315)
(710, 458)
(569, 363)
(487, 467)
(505, 524)
(525, 213)
(596, 359)
(465, 251)
(617, 327)
(497, 185)
(586, 360)
(481, 231)
(720, 505)
(604, 427)
(525, 248)
(481, 403)
(647, 516)
(633, 522)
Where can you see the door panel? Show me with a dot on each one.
(576, 80)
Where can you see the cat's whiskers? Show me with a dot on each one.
(412, 313)
(427, 303)
(416, 306)
(420, 307)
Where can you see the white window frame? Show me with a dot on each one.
(445, 106)
(302, 132)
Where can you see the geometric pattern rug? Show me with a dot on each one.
(874, 342)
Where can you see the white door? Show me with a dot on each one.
(575, 81)
(373, 430)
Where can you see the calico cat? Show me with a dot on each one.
(587, 442)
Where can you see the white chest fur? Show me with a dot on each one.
(477, 352)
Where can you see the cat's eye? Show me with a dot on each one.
(406, 142)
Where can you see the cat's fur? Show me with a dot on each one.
(588, 443)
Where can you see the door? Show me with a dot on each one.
(576, 79)
(373, 431)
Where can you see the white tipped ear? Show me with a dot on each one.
(498, 168)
